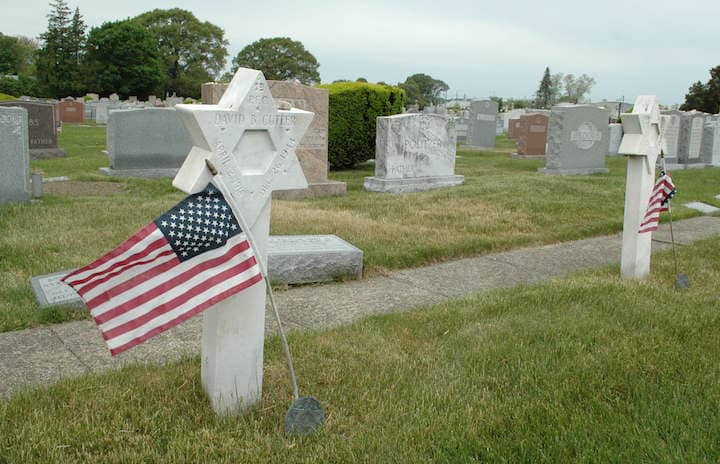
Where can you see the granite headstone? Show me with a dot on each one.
(532, 136)
(150, 142)
(414, 152)
(42, 128)
(14, 155)
(577, 140)
(71, 111)
(482, 130)
(615, 134)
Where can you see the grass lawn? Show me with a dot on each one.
(503, 204)
(589, 368)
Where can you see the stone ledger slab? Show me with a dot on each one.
(292, 259)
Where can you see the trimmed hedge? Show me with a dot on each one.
(354, 107)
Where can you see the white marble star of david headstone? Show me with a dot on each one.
(250, 142)
(641, 130)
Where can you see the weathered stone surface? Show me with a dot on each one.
(615, 133)
(577, 140)
(42, 128)
(413, 152)
(513, 128)
(71, 111)
(670, 128)
(710, 146)
(14, 155)
(683, 137)
(702, 207)
(150, 142)
(313, 148)
(482, 128)
(532, 134)
(298, 259)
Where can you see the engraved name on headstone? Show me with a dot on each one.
(14, 155)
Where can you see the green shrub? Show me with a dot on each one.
(354, 107)
(21, 86)
(4, 96)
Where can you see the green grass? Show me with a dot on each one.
(503, 204)
(589, 368)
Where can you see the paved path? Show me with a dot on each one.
(47, 354)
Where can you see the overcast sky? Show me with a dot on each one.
(479, 48)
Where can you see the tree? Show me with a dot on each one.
(704, 97)
(279, 58)
(8, 55)
(577, 87)
(26, 50)
(193, 52)
(122, 57)
(423, 90)
(499, 102)
(543, 96)
(57, 60)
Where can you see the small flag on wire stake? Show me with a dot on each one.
(185, 261)
(662, 193)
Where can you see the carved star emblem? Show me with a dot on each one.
(641, 129)
(248, 139)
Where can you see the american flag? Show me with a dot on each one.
(662, 193)
(190, 258)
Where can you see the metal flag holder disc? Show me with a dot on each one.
(306, 413)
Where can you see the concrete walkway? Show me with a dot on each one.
(44, 355)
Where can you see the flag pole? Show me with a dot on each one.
(220, 183)
(681, 280)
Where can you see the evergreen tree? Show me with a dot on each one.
(544, 95)
(704, 97)
(58, 67)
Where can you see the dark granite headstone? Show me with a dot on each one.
(42, 128)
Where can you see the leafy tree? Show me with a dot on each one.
(423, 90)
(577, 87)
(122, 57)
(26, 50)
(361, 79)
(193, 52)
(704, 97)
(8, 55)
(499, 102)
(279, 58)
(57, 60)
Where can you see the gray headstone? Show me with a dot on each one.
(42, 128)
(150, 142)
(615, 132)
(683, 137)
(577, 140)
(710, 146)
(292, 259)
(14, 155)
(482, 128)
(414, 152)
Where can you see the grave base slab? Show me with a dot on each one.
(573, 172)
(417, 184)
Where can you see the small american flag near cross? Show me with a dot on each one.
(185, 261)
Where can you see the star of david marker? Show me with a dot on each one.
(641, 143)
(252, 145)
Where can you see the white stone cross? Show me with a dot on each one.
(641, 143)
(252, 145)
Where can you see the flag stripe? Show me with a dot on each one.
(81, 275)
(161, 280)
(113, 289)
(169, 290)
(131, 269)
(662, 192)
(120, 326)
(187, 315)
